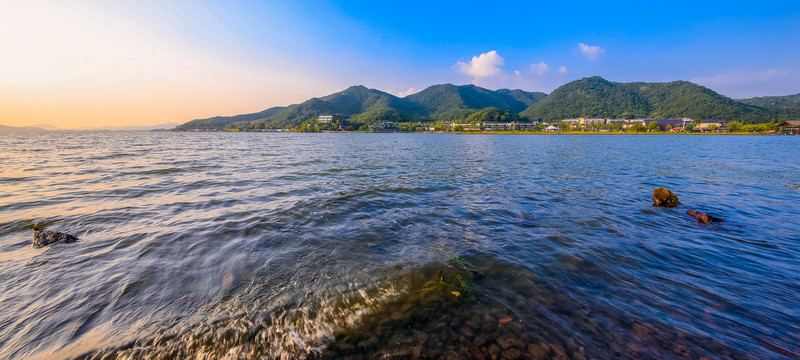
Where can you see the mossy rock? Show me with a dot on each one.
(665, 198)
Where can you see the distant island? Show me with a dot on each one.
(48, 127)
(20, 129)
(439, 107)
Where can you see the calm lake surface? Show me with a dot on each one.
(265, 245)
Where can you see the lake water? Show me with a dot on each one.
(266, 245)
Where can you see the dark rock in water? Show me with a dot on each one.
(703, 218)
(537, 351)
(511, 353)
(559, 353)
(664, 197)
(47, 237)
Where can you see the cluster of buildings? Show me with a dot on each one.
(492, 126)
(663, 124)
(384, 127)
(588, 123)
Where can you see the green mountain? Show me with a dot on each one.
(786, 107)
(353, 101)
(492, 114)
(526, 97)
(444, 97)
(220, 122)
(361, 105)
(587, 97)
(788, 101)
(598, 97)
(685, 99)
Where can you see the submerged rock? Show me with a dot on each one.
(664, 197)
(47, 237)
(511, 353)
(539, 352)
(703, 218)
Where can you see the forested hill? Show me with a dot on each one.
(220, 122)
(783, 106)
(587, 97)
(353, 101)
(526, 97)
(444, 97)
(598, 97)
(366, 106)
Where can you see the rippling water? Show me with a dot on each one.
(224, 245)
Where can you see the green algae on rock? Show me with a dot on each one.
(665, 198)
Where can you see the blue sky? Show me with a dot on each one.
(740, 49)
(85, 62)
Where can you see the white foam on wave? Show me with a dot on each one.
(290, 329)
(308, 330)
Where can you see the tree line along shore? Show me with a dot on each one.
(329, 123)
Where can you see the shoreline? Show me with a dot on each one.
(503, 133)
(612, 133)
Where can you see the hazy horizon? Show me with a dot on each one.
(47, 126)
(94, 64)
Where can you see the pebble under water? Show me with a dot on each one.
(402, 246)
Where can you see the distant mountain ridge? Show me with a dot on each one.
(352, 101)
(787, 106)
(440, 98)
(219, 122)
(370, 105)
(526, 97)
(787, 101)
(598, 97)
(20, 129)
(169, 125)
(48, 127)
(587, 97)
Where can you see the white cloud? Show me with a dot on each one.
(537, 77)
(540, 68)
(410, 91)
(591, 52)
(749, 84)
(487, 70)
(484, 66)
(738, 78)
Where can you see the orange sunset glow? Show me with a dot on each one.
(75, 64)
